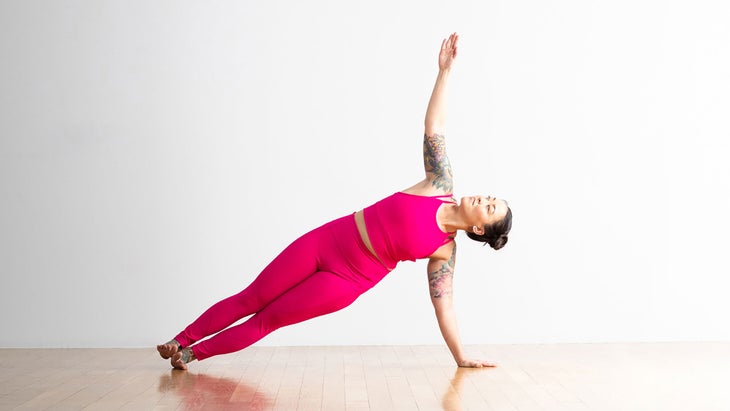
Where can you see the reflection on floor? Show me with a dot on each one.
(656, 376)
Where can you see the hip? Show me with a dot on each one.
(352, 254)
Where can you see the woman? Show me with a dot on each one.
(326, 269)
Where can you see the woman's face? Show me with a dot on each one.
(482, 210)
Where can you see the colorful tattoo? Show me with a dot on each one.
(440, 280)
(437, 162)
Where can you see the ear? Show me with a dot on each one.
(477, 230)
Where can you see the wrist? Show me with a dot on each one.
(459, 359)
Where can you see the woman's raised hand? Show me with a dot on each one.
(447, 55)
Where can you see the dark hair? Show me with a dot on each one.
(495, 234)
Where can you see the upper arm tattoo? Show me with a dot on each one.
(440, 278)
(437, 162)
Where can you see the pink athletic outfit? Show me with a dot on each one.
(323, 271)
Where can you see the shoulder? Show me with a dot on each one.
(425, 188)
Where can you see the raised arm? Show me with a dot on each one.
(435, 160)
(440, 276)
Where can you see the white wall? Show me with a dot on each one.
(154, 156)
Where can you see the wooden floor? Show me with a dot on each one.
(666, 376)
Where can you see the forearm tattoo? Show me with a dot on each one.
(440, 279)
(437, 162)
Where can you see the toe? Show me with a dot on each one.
(166, 350)
(177, 362)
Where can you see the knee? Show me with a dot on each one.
(265, 323)
(248, 301)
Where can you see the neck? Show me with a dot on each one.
(450, 218)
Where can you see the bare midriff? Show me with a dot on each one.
(360, 222)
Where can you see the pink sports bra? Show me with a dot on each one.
(404, 227)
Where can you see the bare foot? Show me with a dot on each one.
(168, 349)
(180, 359)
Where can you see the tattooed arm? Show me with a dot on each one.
(440, 276)
(438, 168)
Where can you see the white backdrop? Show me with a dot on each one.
(154, 156)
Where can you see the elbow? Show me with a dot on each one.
(432, 128)
(442, 305)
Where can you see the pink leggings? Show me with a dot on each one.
(323, 271)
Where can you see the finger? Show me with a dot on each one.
(443, 44)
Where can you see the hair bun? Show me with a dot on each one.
(499, 241)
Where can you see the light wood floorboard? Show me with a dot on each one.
(560, 377)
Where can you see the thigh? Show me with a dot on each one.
(322, 293)
(294, 264)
